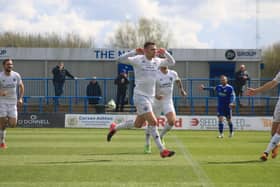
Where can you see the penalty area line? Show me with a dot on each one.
(199, 172)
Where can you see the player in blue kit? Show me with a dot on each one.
(226, 99)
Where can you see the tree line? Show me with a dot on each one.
(271, 60)
(51, 40)
(127, 35)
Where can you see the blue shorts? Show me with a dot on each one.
(224, 111)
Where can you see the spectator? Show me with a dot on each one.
(121, 81)
(93, 89)
(59, 75)
(241, 78)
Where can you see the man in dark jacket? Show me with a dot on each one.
(93, 89)
(241, 78)
(59, 76)
(121, 81)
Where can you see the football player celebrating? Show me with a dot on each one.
(145, 65)
(275, 130)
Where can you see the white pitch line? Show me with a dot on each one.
(199, 172)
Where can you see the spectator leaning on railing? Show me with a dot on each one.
(241, 78)
(59, 76)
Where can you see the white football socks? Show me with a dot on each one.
(148, 135)
(273, 142)
(166, 128)
(2, 135)
(155, 134)
(125, 125)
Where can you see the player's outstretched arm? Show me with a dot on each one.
(250, 92)
(202, 87)
(267, 86)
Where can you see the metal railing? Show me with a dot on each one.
(40, 91)
(70, 102)
(256, 105)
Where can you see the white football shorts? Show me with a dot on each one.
(143, 104)
(8, 110)
(163, 107)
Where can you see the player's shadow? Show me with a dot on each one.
(258, 141)
(107, 154)
(74, 162)
(237, 162)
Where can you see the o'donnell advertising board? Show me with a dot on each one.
(41, 120)
(182, 122)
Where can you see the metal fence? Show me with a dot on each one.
(41, 91)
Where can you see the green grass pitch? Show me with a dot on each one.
(83, 157)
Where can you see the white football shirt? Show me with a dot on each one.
(145, 71)
(165, 84)
(9, 85)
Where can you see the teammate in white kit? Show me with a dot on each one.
(9, 82)
(163, 103)
(145, 64)
(275, 130)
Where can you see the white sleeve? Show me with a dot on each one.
(169, 60)
(277, 78)
(127, 58)
(18, 77)
(176, 76)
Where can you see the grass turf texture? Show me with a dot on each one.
(82, 157)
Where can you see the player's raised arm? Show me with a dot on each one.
(124, 58)
(168, 60)
(127, 57)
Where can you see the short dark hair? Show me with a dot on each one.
(6, 60)
(148, 44)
